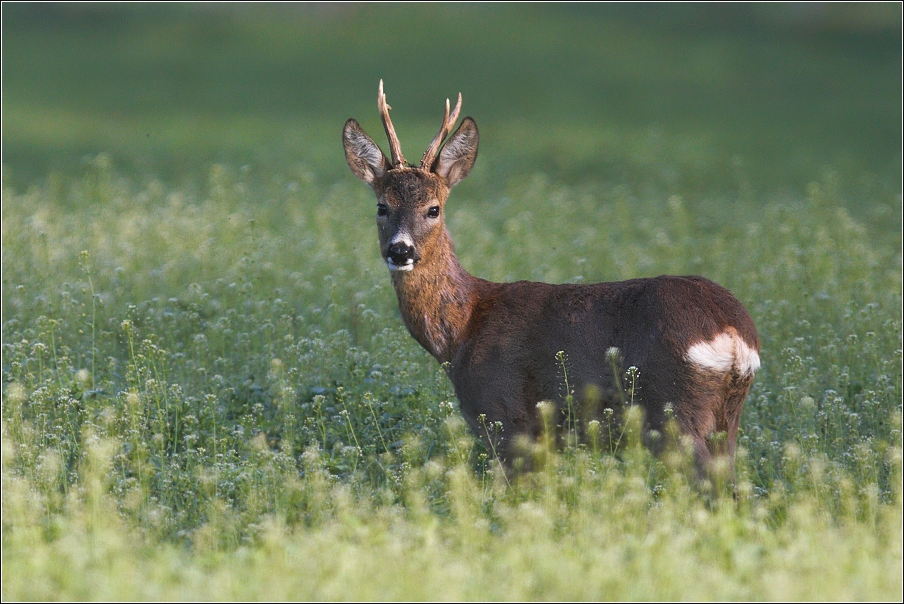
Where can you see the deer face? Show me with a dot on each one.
(410, 200)
(409, 216)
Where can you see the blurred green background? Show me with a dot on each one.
(695, 97)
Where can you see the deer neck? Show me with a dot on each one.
(436, 300)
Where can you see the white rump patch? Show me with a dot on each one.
(726, 352)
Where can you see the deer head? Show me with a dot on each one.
(410, 199)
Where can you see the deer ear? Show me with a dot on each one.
(459, 154)
(362, 154)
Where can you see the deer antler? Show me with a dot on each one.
(444, 131)
(394, 146)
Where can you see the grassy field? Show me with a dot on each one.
(208, 392)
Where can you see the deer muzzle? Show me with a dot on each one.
(401, 255)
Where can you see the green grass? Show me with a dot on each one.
(208, 392)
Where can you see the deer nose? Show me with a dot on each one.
(401, 253)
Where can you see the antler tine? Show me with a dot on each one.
(394, 146)
(444, 131)
(454, 117)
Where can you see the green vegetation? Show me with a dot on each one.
(208, 392)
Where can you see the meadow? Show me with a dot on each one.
(208, 392)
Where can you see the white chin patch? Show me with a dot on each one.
(404, 267)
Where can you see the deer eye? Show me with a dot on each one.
(382, 210)
(433, 212)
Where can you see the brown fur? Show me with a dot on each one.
(500, 339)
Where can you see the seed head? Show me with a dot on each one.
(15, 393)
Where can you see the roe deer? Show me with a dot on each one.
(694, 344)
